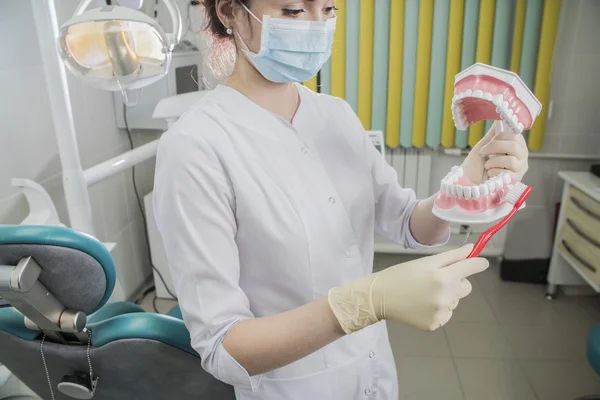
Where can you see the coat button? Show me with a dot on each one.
(304, 150)
(332, 200)
(367, 392)
(349, 254)
(371, 354)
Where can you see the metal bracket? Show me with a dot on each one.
(42, 310)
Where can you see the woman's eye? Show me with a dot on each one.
(331, 9)
(292, 13)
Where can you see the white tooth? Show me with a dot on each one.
(454, 177)
(506, 177)
(453, 190)
(457, 171)
(454, 98)
(509, 114)
(498, 182)
(484, 189)
(478, 93)
(520, 127)
(467, 192)
(475, 192)
(461, 96)
(487, 96)
(454, 168)
(459, 191)
(468, 93)
(504, 106)
(497, 100)
(491, 186)
(515, 120)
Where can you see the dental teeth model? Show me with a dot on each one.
(483, 92)
(463, 202)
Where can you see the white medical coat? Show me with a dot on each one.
(259, 216)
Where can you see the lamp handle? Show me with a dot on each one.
(83, 4)
(174, 37)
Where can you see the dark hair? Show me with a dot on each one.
(213, 23)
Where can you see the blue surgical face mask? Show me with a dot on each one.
(291, 50)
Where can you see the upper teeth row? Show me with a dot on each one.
(502, 108)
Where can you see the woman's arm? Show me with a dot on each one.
(425, 227)
(264, 344)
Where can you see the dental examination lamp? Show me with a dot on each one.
(118, 48)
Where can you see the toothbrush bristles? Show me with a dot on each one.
(515, 193)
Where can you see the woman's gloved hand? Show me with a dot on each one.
(509, 150)
(422, 293)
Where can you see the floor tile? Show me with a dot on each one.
(560, 380)
(520, 304)
(477, 340)
(546, 342)
(407, 341)
(428, 378)
(474, 307)
(493, 380)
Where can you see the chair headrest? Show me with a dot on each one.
(76, 268)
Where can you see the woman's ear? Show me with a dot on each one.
(226, 10)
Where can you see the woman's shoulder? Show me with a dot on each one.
(199, 125)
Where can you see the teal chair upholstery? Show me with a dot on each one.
(593, 356)
(134, 354)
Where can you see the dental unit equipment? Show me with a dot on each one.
(483, 92)
(113, 48)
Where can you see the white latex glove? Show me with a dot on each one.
(422, 293)
(509, 154)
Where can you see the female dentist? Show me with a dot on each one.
(267, 196)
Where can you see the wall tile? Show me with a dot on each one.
(114, 210)
(54, 187)
(97, 197)
(128, 273)
(140, 248)
(581, 144)
(26, 116)
(540, 176)
(16, 19)
(587, 27)
(13, 209)
(581, 87)
(552, 142)
(530, 233)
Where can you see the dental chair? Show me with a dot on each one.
(593, 356)
(62, 341)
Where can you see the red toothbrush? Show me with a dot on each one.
(516, 197)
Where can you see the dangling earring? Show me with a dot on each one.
(229, 31)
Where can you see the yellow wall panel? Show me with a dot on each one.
(485, 33)
(338, 54)
(423, 69)
(365, 66)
